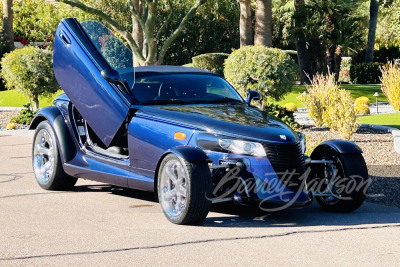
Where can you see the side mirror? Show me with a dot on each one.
(253, 95)
(112, 76)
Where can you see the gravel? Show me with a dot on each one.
(382, 160)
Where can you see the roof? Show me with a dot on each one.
(170, 69)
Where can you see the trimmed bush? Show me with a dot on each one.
(282, 113)
(391, 85)
(362, 109)
(30, 71)
(269, 71)
(366, 73)
(213, 62)
(328, 104)
(290, 107)
(362, 100)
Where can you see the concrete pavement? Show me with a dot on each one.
(101, 225)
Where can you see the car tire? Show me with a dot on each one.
(352, 173)
(46, 160)
(184, 190)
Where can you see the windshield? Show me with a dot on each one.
(184, 88)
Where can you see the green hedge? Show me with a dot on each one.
(213, 62)
(366, 73)
(269, 71)
(382, 55)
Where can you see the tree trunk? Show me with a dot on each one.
(330, 58)
(373, 21)
(301, 45)
(338, 61)
(263, 29)
(316, 48)
(35, 100)
(245, 24)
(137, 31)
(8, 24)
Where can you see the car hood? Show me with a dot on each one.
(233, 120)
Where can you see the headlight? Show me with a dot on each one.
(303, 142)
(242, 147)
(215, 143)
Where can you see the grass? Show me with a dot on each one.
(12, 98)
(356, 91)
(391, 120)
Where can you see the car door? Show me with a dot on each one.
(78, 60)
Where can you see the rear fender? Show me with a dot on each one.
(64, 140)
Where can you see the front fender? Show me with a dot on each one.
(340, 146)
(64, 139)
(187, 153)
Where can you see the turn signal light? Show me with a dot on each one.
(180, 136)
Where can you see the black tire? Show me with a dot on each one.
(55, 178)
(353, 173)
(198, 188)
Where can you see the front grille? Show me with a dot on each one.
(285, 160)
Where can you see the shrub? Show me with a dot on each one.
(366, 73)
(362, 109)
(30, 71)
(267, 70)
(282, 113)
(25, 116)
(391, 85)
(382, 55)
(329, 105)
(362, 100)
(213, 62)
(290, 107)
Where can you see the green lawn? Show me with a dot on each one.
(356, 90)
(12, 98)
(392, 120)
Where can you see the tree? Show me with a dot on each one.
(30, 71)
(245, 24)
(8, 24)
(263, 28)
(144, 12)
(373, 21)
(301, 45)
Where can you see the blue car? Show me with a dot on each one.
(183, 133)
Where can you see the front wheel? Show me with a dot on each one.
(184, 190)
(46, 160)
(342, 184)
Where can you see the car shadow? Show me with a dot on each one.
(240, 216)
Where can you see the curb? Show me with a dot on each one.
(394, 131)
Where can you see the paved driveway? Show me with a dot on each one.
(100, 225)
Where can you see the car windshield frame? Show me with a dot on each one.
(158, 80)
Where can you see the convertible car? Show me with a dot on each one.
(183, 133)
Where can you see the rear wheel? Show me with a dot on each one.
(46, 160)
(183, 188)
(344, 182)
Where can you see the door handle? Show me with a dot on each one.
(65, 38)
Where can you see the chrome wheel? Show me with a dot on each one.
(173, 182)
(43, 156)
